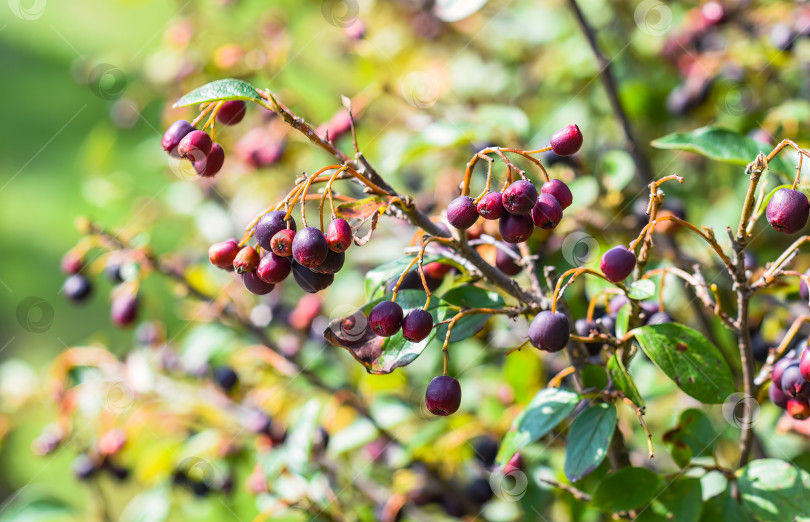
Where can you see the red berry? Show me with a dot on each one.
(617, 263)
(519, 197)
(231, 112)
(269, 225)
(559, 190)
(310, 281)
(506, 263)
(799, 408)
(804, 364)
(385, 318)
(462, 213)
(255, 285)
(443, 395)
(491, 206)
(210, 165)
(339, 235)
(515, 229)
(436, 270)
(777, 396)
(547, 212)
(246, 260)
(273, 269)
(195, 145)
(332, 264)
(566, 141)
(787, 211)
(124, 309)
(309, 247)
(549, 331)
(417, 325)
(222, 254)
(281, 244)
(176, 132)
(72, 263)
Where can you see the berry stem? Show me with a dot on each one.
(574, 272)
(402, 278)
(489, 179)
(328, 190)
(556, 381)
(640, 415)
(205, 108)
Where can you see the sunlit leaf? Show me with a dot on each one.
(219, 90)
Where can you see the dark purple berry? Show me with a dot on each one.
(617, 303)
(479, 491)
(176, 132)
(269, 224)
(246, 260)
(485, 449)
(519, 197)
(585, 328)
(793, 384)
(225, 377)
(385, 319)
(119, 473)
(195, 145)
(255, 285)
(309, 247)
(617, 263)
(332, 264)
(72, 263)
(124, 309)
(491, 206)
(231, 112)
(798, 408)
(339, 235)
(566, 141)
(310, 281)
(608, 323)
(443, 395)
(506, 263)
(273, 269)
(549, 331)
(222, 254)
(659, 318)
(211, 164)
(787, 211)
(779, 368)
(462, 213)
(84, 467)
(515, 229)
(112, 269)
(281, 243)
(547, 212)
(77, 288)
(417, 325)
(777, 396)
(560, 191)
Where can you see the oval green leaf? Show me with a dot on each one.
(467, 296)
(775, 490)
(588, 440)
(220, 90)
(641, 289)
(623, 320)
(622, 380)
(693, 437)
(680, 500)
(626, 489)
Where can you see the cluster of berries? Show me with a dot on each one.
(790, 385)
(182, 140)
(312, 256)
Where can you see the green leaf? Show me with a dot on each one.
(722, 145)
(724, 508)
(377, 278)
(680, 500)
(641, 289)
(361, 208)
(594, 376)
(149, 506)
(622, 380)
(588, 439)
(689, 359)
(467, 296)
(623, 320)
(36, 508)
(775, 490)
(545, 411)
(626, 489)
(227, 89)
(693, 437)
(617, 170)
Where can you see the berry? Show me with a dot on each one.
(385, 318)
(124, 309)
(246, 260)
(777, 396)
(617, 303)
(195, 145)
(77, 288)
(779, 368)
(112, 269)
(255, 285)
(479, 491)
(585, 328)
(281, 243)
(566, 141)
(417, 325)
(309, 247)
(793, 384)
(659, 318)
(547, 212)
(119, 473)
(176, 132)
(486, 449)
(462, 213)
(332, 264)
(443, 395)
(436, 270)
(559, 190)
(608, 323)
(515, 229)
(269, 224)
(231, 112)
(519, 197)
(617, 263)
(549, 331)
(787, 211)
(222, 254)
(273, 269)
(209, 166)
(491, 206)
(339, 235)
(506, 263)
(72, 263)
(225, 377)
(84, 467)
(514, 464)
(804, 364)
(310, 281)
(799, 409)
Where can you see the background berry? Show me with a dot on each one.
(77, 288)
(505, 263)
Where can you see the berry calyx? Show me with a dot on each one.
(547, 212)
(209, 166)
(77, 288)
(281, 243)
(309, 247)
(339, 235)
(617, 263)
(231, 112)
(549, 331)
(195, 145)
(560, 191)
(176, 132)
(462, 212)
(787, 211)
(222, 254)
(246, 260)
(273, 269)
(255, 285)
(519, 197)
(566, 141)
(310, 281)
(506, 263)
(385, 319)
(491, 206)
(269, 225)
(515, 229)
(443, 395)
(417, 325)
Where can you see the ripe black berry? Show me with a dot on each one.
(225, 377)
(417, 325)
(549, 331)
(332, 264)
(515, 229)
(112, 269)
(339, 235)
(779, 368)
(519, 197)
(793, 384)
(486, 449)
(787, 211)
(77, 288)
(506, 263)
(268, 225)
(211, 164)
(385, 319)
(176, 132)
(222, 254)
(777, 396)
(559, 190)
(308, 280)
(281, 243)
(309, 247)
(491, 206)
(273, 269)
(617, 263)
(547, 212)
(585, 328)
(479, 491)
(246, 260)
(255, 285)
(462, 213)
(84, 467)
(443, 395)
(566, 141)
(231, 112)
(124, 309)
(195, 145)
